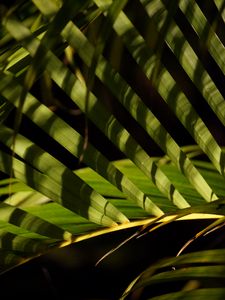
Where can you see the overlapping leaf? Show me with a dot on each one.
(49, 204)
(203, 267)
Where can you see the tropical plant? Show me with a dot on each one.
(140, 73)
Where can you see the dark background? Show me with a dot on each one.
(70, 272)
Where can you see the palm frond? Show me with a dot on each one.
(50, 203)
(198, 274)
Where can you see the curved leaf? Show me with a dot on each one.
(201, 266)
(200, 294)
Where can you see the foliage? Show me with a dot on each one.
(146, 75)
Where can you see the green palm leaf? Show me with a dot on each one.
(45, 202)
(110, 126)
(168, 89)
(192, 266)
(72, 141)
(133, 103)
